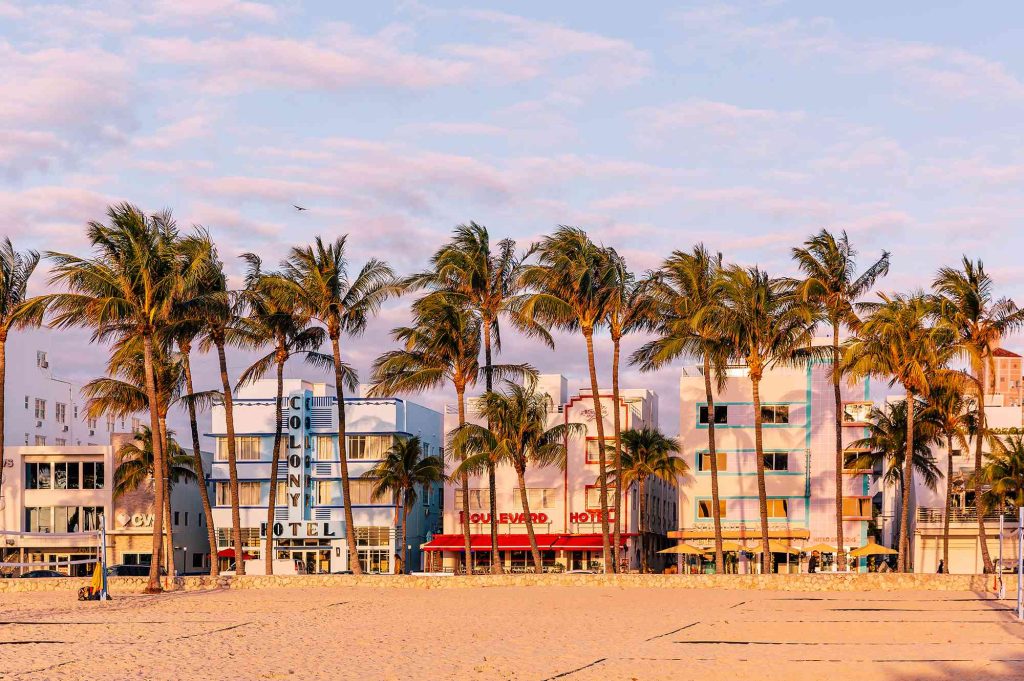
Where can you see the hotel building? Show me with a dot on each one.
(566, 504)
(62, 490)
(798, 413)
(309, 523)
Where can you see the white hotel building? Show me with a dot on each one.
(566, 503)
(310, 514)
(798, 407)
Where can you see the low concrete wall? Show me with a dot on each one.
(802, 582)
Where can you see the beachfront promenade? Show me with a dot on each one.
(513, 632)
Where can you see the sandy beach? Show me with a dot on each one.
(532, 633)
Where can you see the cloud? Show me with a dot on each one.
(50, 216)
(202, 12)
(459, 129)
(717, 118)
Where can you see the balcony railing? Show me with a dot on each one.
(960, 515)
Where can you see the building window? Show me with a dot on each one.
(856, 413)
(40, 441)
(247, 448)
(704, 507)
(250, 536)
(41, 360)
(721, 414)
(593, 455)
(373, 536)
(38, 519)
(136, 424)
(60, 411)
(593, 497)
(479, 500)
(328, 492)
(856, 507)
(198, 560)
(136, 558)
(368, 446)
(65, 475)
(539, 497)
(110, 423)
(326, 447)
(362, 492)
(776, 461)
(249, 493)
(375, 561)
(61, 441)
(75, 409)
(91, 422)
(92, 475)
(775, 413)
(37, 475)
(176, 517)
(91, 517)
(26, 401)
(778, 508)
(40, 409)
(705, 461)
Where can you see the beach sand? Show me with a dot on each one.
(534, 632)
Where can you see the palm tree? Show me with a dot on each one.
(402, 470)
(886, 446)
(898, 340)
(764, 323)
(135, 463)
(649, 453)
(518, 436)
(953, 413)
(216, 308)
(316, 276)
(1003, 473)
(15, 271)
(630, 310)
(831, 282)
(272, 319)
(124, 289)
(968, 305)
(487, 281)
(685, 289)
(573, 282)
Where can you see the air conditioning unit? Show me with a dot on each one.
(92, 432)
(66, 429)
(39, 424)
(44, 364)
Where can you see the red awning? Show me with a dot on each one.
(230, 553)
(518, 542)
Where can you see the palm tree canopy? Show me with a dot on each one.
(1003, 473)
(887, 443)
(631, 307)
(15, 271)
(403, 469)
(518, 436)
(650, 453)
(135, 463)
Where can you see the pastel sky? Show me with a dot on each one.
(653, 125)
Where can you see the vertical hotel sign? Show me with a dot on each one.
(298, 455)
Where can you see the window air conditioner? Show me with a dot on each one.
(39, 424)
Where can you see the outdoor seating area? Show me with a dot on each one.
(786, 559)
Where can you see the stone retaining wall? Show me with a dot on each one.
(802, 582)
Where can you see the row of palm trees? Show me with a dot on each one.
(154, 293)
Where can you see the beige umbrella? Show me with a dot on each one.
(728, 546)
(776, 546)
(820, 548)
(684, 549)
(873, 549)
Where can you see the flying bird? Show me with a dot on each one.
(299, 207)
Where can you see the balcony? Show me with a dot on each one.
(961, 515)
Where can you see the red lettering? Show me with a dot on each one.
(503, 517)
(542, 517)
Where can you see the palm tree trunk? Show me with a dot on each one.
(643, 526)
(716, 511)
(538, 564)
(197, 461)
(398, 516)
(229, 422)
(275, 463)
(460, 393)
(903, 560)
(350, 530)
(949, 503)
(762, 493)
(840, 458)
(159, 478)
(405, 536)
(602, 477)
(980, 438)
(617, 454)
(168, 514)
(496, 566)
(3, 389)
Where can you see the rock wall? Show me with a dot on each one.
(800, 582)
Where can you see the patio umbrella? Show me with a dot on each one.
(776, 546)
(820, 548)
(728, 546)
(873, 549)
(684, 549)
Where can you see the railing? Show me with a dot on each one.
(960, 515)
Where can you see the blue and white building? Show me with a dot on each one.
(309, 523)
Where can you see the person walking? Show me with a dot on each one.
(814, 562)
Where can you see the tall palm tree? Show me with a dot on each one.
(1003, 473)
(573, 282)
(216, 308)
(630, 310)
(442, 345)
(685, 290)
(764, 323)
(829, 267)
(15, 271)
(953, 413)
(518, 436)
(899, 340)
(886, 445)
(402, 470)
(487, 281)
(272, 319)
(649, 453)
(317, 277)
(968, 305)
(125, 288)
(135, 463)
